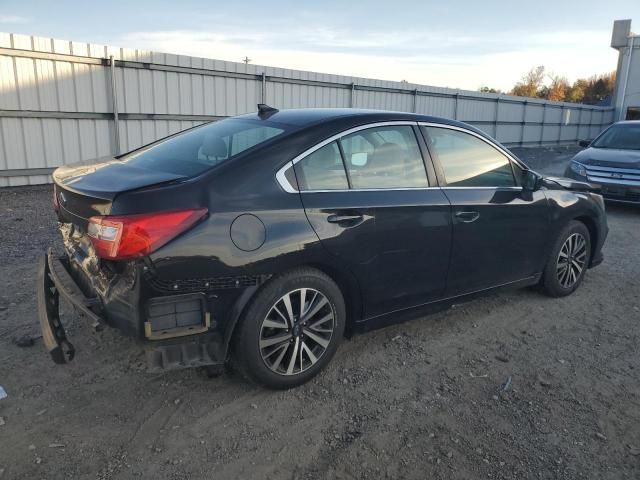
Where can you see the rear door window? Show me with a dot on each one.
(322, 170)
(468, 161)
(384, 158)
(194, 151)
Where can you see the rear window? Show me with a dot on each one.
(192, 152)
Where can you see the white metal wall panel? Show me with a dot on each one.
(88, 140)
(509, 133)
(46, 84)
(475, 110)
(532, 134)
(4, 181)
(569, 132)
(572, 116)
(14, 150)
(554, 114)
(8, 90)
(549, 134)
(583, 132)
(26, 84)
(601, 117)
(608, 116)
(70, 140)
(511, 112)
(129, 86)
(64, 86)
(437, 106)
(534, 113)
(52, 142)
(147, 131)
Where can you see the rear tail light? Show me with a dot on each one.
(120, 237)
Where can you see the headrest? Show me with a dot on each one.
(214, 146)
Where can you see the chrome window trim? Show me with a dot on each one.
(287, 187)
(282, 179)
(515, 188)
(485, 140)
(398, 189)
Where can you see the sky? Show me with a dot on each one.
(459, 44)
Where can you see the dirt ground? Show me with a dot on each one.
(512, 386)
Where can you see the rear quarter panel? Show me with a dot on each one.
(279, 231)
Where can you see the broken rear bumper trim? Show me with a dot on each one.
(166, 352)
(54, 280)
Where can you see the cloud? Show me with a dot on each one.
(347, 40)
(428, 57)
(13, 19)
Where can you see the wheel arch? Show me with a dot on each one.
(592, 226)
(345, 281)
(349, 287)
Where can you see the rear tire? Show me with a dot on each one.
(568, 262)
(291, 329)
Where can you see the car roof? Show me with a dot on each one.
(628, 122)
(303, 117)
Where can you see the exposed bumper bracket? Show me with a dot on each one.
(53, 334)
(53, 281)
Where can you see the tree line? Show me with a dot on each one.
(540, 84)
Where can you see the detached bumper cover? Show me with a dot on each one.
(192, 348)
(54, 281)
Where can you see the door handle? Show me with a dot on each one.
(346, 220)
(467, 217)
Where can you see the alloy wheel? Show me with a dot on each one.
(297, 331)
(571, 260)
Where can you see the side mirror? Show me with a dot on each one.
(530, 180)
(584, 143)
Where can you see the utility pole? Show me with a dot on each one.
(246, 60)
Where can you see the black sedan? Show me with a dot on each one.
(263, 239)
(611, 162)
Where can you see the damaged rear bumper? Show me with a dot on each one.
(174, 337)
(54, 281)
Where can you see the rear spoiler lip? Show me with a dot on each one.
(68, 183)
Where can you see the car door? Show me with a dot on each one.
(499, 228)
(367, 195)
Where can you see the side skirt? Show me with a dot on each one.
(435, 306)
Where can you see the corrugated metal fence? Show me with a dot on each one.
(62, 102)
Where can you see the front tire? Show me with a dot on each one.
(291, 329)
(568, 261)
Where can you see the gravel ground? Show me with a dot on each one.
(514, 385)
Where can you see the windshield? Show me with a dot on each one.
(624, 137)
(194, 151)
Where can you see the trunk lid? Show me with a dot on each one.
(86, 189)
(107, 177)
